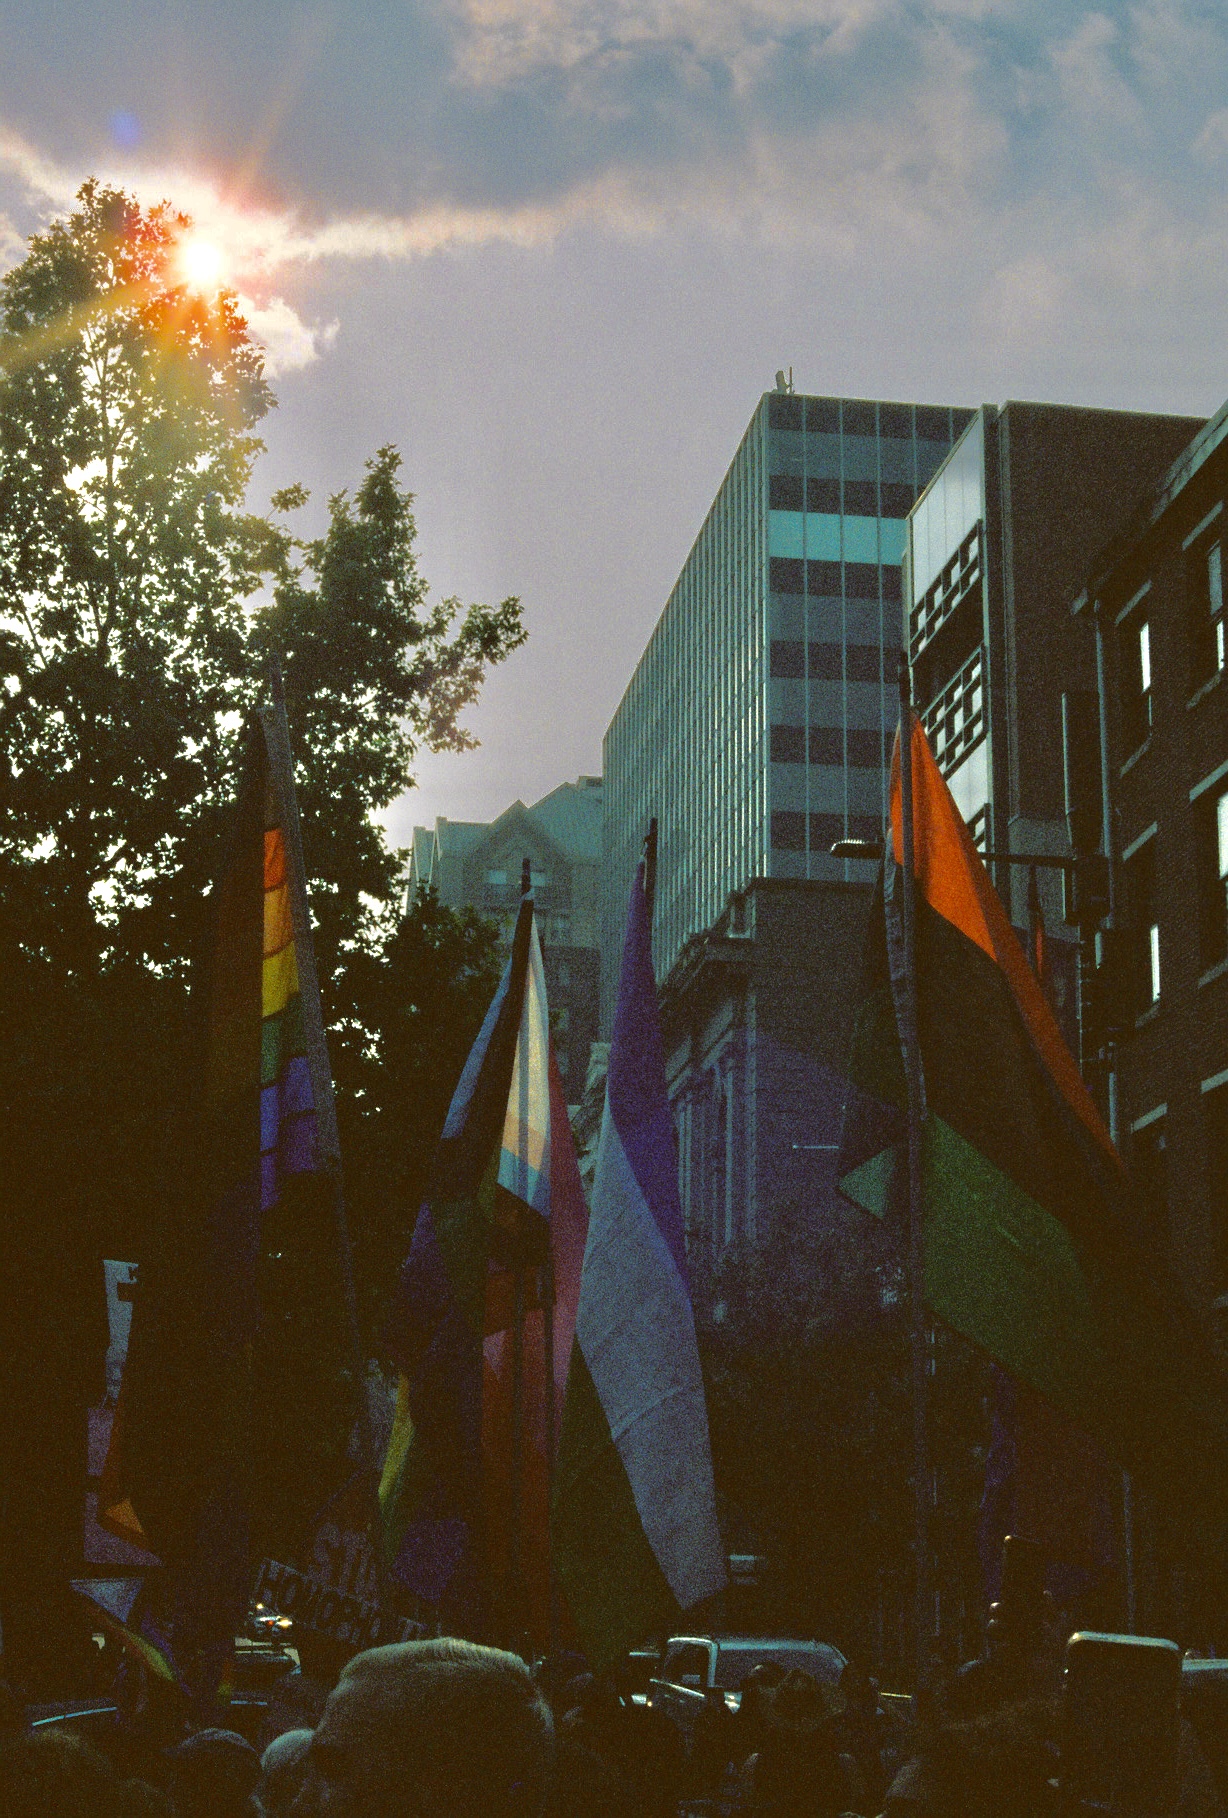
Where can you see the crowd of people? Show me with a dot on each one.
(449, 1729)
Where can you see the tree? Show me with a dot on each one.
(139, 599)
(133, 625)
(409, 1014)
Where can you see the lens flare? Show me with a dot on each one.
(201, 264)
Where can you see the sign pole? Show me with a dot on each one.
(281, 770)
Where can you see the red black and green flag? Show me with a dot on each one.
(1033, 1246)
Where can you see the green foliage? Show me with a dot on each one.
(139, 599)
(409, 1015)
(139, 602)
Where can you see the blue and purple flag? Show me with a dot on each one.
(635, 1533)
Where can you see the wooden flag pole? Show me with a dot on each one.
(281, 769)
(919, 1345)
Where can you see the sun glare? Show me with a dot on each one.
(201, 264)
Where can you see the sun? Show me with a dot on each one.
(201, 264)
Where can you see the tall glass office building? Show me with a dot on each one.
(758, 724)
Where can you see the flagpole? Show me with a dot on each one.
(924, 1607)
(650, 868)
(546, 1280)
(281, 767)
(1109, 845)
(516, 1522)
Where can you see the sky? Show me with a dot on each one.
(554, 250)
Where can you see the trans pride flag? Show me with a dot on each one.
(180, 1474)
(635, 1533)
(461, 1520)
(431, 1486)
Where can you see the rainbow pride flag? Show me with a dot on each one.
(288, 1135)
(183, 1473)
(465, 1488)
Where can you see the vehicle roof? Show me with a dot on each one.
(751, 1641)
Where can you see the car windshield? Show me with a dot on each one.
(735, 1660)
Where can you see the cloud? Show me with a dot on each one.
(12, 243)
(1037, 129)
(1211, 144)
(289, 343)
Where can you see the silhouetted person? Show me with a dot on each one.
(440, 1729)
(213, 1774)
(53, 1342)
(862, 1729)
(1022, 1656)
(799, 1771)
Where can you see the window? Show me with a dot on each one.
(897, 499)
(788, 659)
(786, 575)
(894, 420)
(784, 410)
(865, 748)
(826, 662)
(1143, 924)
(825, 830)
(932, 423)
(1212, 823)
(823, 416)
(826, 745)
(788, 744)
(823, 579)
(865, 827)
(789, 831)
(859, 419)
(891, 585)
(785, 492)
(497, 880)
(823, 496)
(1205, 596)
(865, 663)
(861, 498)
(1135, 682)
(861, 580)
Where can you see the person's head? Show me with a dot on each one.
(857, 1686)
(430, 1729)
(56, 1775)
(759, 1680)
(997, 1764)
(214, 1774)
(283, 1768)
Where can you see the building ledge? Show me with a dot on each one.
(1211, 682)
(1219, 970)
(1134, 756)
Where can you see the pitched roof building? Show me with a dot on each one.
(479, 865)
